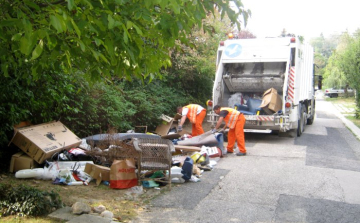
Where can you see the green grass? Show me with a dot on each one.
(17, 219)
(342, 100)
(347, 103)
(354, 120)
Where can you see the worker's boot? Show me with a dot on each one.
(241, 154)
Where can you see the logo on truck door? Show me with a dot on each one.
(233, 50)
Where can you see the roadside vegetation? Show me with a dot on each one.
(103, 65)
(337, 59)
(349, 105)
(95, 66)
(337, 66)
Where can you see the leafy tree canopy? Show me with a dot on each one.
(333, 72)
(125, 38)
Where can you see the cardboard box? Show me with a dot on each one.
(99, 173)
(21, 161)
(271, 101)
(177, 117)
(164, 127)
(167, 124)
(40, 142)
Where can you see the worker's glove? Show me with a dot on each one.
(179, 128)
(213, 130)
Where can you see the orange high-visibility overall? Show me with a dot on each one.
(195, 119)
(235, 121)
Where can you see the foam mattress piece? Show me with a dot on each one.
(207, 138)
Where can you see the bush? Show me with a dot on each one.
(27, 200)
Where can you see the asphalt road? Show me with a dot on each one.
(312, 178)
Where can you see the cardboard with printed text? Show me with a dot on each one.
(40, 142)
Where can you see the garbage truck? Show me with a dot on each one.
(269, 80)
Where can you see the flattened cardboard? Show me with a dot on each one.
(40, 142)
(271, 101)
(21, 161)
(99, 173)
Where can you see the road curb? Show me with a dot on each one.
(349, 124)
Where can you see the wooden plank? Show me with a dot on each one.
(188, 148)
(171, 136)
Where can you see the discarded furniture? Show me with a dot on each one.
(155, 156)
(118, 150)
(104, 140)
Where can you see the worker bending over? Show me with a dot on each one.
(235, 121)
(196, 114)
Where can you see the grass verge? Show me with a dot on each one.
(349, 108)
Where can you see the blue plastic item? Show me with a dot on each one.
(220, 139)
(187, 168)
(150, 183)
(251, 108)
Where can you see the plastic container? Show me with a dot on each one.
(176, 175)
(75, 183)
(220, 139)
(198, 158)
(187, 168)
(176, 170)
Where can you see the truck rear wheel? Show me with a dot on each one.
(312, 115)
(302, 121)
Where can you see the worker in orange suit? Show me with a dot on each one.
(196, 114)
(235, 121)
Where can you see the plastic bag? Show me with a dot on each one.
(122, 174)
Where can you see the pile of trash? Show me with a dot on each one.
(50, 151)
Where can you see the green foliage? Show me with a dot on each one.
(334, 75)
(193, 69)
(40, 100)
(50, 55)
(120, 106)
(343, 67)
(27, 200)
(349, 62)
(323, 47)
(124, 38)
